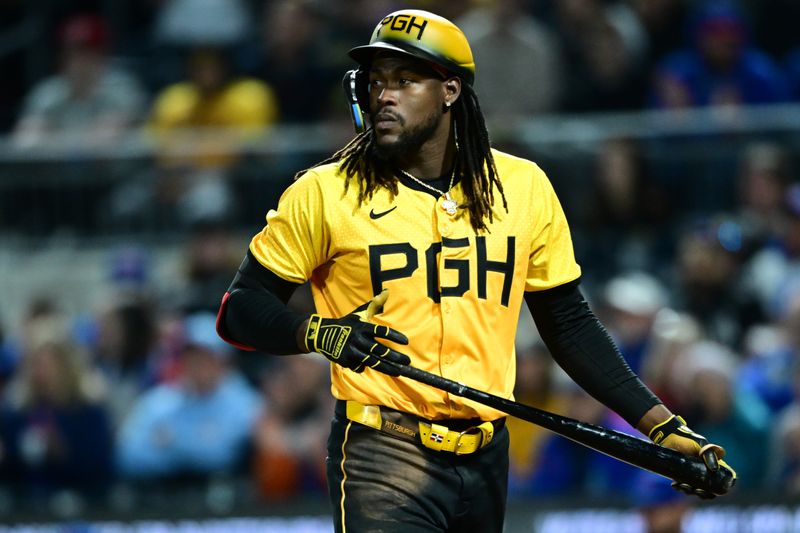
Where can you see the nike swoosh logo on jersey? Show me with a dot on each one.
(375, 216)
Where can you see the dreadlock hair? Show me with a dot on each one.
(474, 164)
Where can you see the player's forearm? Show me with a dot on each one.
(255, 313)
(583, 348)
(300, 336)
(259, 319)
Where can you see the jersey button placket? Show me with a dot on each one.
(446, 306)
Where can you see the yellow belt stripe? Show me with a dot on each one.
(344, 474)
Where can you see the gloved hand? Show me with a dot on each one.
(351, 341)
(673, 433)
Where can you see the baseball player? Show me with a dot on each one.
(421, 242)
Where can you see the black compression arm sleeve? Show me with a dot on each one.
(582, 347)
(256, 313)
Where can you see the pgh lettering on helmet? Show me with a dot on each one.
(403, 23)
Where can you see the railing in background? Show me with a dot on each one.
(140, 185)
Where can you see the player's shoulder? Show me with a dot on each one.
(325, 173)
(324, 178)
(515, 168)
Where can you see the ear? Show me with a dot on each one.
(451, 90)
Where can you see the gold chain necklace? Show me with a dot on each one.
(448, 204)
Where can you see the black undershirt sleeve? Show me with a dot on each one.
(255, 312)
(580, 344)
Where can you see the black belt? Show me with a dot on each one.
(460, 436)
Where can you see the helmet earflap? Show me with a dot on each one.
(356, 89)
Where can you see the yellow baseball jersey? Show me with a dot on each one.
(455, 294)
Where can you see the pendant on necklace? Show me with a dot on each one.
(449, 205)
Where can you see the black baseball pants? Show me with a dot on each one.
(382, 484)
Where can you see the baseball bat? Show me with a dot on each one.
(632, 450)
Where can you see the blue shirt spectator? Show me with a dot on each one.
(770, 376)
(200, 425)
(721, 67)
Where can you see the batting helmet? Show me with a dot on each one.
(424, 35)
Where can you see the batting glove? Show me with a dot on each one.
(351, 341)
(673, 433)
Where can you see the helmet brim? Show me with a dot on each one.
(363, 56)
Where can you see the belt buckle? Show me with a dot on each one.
(461, 434)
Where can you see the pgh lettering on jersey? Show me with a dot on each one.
(464, 329)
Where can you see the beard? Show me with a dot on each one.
(408, 142)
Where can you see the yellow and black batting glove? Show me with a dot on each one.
(673, 433)
(351, 341)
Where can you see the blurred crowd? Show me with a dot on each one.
(202, 80)
(138, 394)
(245, 64)
(700, 291)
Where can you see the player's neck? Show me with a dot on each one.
(434, 159)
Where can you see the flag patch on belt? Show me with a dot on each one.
(435, 437)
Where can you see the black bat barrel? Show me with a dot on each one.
(638, 452)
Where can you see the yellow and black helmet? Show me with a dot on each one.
(424, 35)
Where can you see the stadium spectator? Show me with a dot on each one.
(178, 26)
(196, 427)
(291, 434)
(201, 125)
(123, 351)
(721, 66)
(707, 279)
(349, 21)
(672, 333)
(90, 101)
(661, 507)
(772, 270)
(605, 47)
(771, 373)
(626, 207)
(189, 22)
(631, 303)
(565, 467)
(505, 38)
(765, 213)
(706, 376)
(537, 385)
(664, 22)
(209, 252)
(764, 176)
(293, 59)
(56, 431)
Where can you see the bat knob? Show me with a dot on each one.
(710, 459)
(721, 480)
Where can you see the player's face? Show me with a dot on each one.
(406, 104)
